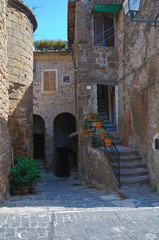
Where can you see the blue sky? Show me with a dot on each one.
(51, 17)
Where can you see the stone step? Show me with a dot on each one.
(132, 165)
(134, 180)
(131, 158)
(126, 172)
(127, 151)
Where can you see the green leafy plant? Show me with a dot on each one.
(42, 44)
(25, 173)
(58, 43)
(99, 120)
(108, 136)
(103, 132)
(86, 123)
(94, 141)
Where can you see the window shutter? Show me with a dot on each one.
(49, 81)
(46, 81)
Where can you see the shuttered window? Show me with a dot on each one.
(49, 81)
(103, 31)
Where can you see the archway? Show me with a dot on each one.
(38, 137)
(64, 147)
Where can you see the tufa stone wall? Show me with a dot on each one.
(50, 105)
(138, 84)
(94, 64)
(5, 151)
(95, 168)
(20, 25)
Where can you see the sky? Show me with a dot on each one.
(51, 16)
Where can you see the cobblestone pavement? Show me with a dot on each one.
(65, 209)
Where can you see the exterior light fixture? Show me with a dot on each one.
(132, 7)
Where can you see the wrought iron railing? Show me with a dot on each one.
(113, 156)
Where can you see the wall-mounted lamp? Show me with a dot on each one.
(131, 8)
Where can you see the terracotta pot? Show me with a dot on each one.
(85, 131)
(108, 142)
(99, 125)
(24, 191)
(90, 133)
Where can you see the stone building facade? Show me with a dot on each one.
(16, 40)
(96, 65)
(138, 74)
(54, 106)
(128, 69)
(5, 149)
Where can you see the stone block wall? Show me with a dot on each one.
(50, 105)
(5, 150)
(94, 64)
(20, 26)
(95, 169)
(138, 84)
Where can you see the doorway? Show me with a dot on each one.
(64, 147)
(38, 137)
(106, 103)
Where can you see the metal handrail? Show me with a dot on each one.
(113, 156)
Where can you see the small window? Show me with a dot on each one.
(66, 79)
(103, 31)
(49, 81)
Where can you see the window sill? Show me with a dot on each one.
(49, 92)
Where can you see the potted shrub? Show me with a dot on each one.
(99, 123)
(94, 141)
(85, 125)
(95, 116)
(25, 173)
(43, 44)
(102, 134)
(108, 138)
(58, 44)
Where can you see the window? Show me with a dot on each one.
(66, 79)
(103, 31)
(49, 81)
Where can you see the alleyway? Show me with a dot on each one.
(65, 209)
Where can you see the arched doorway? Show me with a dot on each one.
(65, 148)
(38, 137)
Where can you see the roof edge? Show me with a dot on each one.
(24, 9)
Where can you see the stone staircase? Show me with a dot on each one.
(132, 168)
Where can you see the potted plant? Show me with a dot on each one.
(43, 44)
(90, 116)
(108, 138)
(102, 134)
(90, 132)
(85, 125)
(25, 173)
(94, 141)
(99, 123)
(58, 44)
(95, 116)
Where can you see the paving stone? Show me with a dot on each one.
(62, 210)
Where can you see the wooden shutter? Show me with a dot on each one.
(49, 81)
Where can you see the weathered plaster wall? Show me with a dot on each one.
(50, 105)
(138, 84)
(20, 76)
(5, 150)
